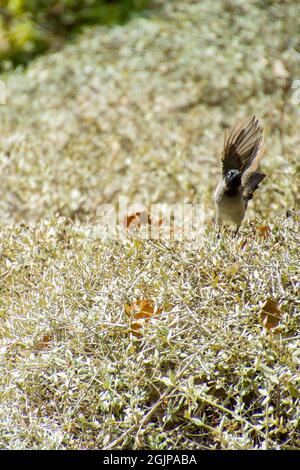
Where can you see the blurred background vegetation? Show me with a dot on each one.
(31, 27)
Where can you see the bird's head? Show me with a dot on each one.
(233, 179)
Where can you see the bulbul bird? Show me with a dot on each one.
(243, 147)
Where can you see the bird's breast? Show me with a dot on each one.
(230, 207)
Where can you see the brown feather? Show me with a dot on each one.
(243, 146)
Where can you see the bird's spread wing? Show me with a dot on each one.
(243, 146)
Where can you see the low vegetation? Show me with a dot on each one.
(137, 343)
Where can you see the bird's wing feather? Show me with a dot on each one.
(251, 183)
(243, 146)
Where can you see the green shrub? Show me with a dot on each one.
(30, 27)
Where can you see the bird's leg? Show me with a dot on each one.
(236, 231)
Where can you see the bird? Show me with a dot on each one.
(242, 150)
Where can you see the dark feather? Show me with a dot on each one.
(243, 146)
(251, 184)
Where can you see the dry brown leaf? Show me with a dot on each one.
(141, 310)
(44, 342)
(264, 230)
(270, 314)
(139, 219)
(146, 308)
